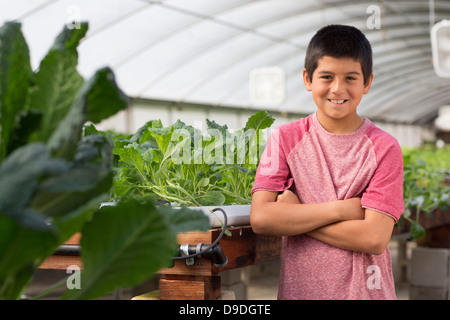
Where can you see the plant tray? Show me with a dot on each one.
(237, 215)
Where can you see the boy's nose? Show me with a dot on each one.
(337, 87)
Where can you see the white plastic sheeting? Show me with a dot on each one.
(203, 51)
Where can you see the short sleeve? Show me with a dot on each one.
(273, 172)
(385, 190)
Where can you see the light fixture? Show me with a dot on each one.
(440, 45)
(267, 87)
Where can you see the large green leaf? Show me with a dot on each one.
(212, 198)
(260, 120)
(104, 98)
(134, 242)
(27, 123)
(98, 98)
(131, 156)
(183, 219)
(15, 74)
(163, 138)
(57, 81)
(20, 175)
(19, 248)
(90, 175)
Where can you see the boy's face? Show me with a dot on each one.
(337, 87)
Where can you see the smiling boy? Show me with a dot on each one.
(331, 184)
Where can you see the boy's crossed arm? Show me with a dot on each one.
(341, 223)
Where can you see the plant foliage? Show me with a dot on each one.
(426, 185)
(182, 165)
(54, 176)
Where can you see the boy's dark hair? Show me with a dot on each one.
(339, 41)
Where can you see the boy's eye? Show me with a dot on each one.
(326, 77)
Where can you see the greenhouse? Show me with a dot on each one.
(224, 150)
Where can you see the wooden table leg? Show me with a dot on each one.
(185, 287)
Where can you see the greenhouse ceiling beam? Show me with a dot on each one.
(217, 73)
(401, 75)
(34, 10)
(204, 50)
(290, 74)
(193, 56)
(417, 102)
(208, 107)
(174, 32)
(425, 105)
(381, 100)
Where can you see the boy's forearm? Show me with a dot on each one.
(348, 235)
(370, 235)
(284, 219)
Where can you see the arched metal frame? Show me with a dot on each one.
(202, 51)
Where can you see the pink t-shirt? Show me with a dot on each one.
(320, 166)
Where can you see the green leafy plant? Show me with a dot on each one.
(424, 185)
(184, 166)
(54, 175)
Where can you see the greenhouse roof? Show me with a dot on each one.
(203, 51)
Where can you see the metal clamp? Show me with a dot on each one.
(184, 250)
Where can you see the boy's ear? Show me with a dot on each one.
(368, 84)
(306, 80)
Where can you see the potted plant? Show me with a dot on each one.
(426, 190)
(184, 166)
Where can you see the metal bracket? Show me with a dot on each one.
(184, 249)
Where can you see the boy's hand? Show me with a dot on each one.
(287, 196)
(352, 209)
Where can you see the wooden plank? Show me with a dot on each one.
(60, 262)
(75, 239)
(201, 267)
(243, 248)
(173, 287)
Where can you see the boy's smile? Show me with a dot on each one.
(337, 87)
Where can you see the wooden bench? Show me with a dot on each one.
(201, 279)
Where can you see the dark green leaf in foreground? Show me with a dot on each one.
(183, 219)
(15, 74)
(20, 174)
(135, 241)
(57, 81)
(19, 248)
(99, 97)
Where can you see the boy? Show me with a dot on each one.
(332, 183)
